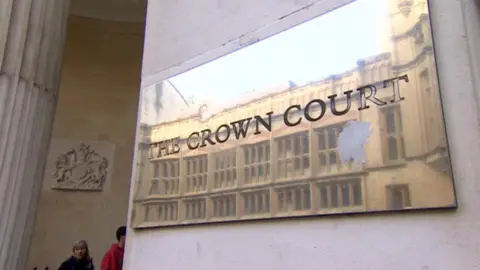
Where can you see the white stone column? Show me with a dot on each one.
(32, 34)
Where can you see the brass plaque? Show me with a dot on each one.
(341, 114)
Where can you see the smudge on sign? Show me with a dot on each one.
(351, 140)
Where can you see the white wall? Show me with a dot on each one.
(434, 240)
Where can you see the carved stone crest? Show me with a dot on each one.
(80, 168)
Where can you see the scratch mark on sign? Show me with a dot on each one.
(199, 249)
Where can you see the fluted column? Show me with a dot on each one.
(32, 34)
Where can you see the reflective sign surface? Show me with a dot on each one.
(336, 115)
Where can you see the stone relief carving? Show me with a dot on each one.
(80, 168)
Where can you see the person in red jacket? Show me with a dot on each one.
(113, 259)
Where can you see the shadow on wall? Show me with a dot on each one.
(97, 107)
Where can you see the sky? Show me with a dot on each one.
(327, 45)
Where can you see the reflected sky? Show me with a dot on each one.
(306, 53)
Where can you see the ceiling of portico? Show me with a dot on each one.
(113, 10)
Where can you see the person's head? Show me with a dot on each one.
(121, 233)
(80, 250)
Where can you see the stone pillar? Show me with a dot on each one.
(32, 34)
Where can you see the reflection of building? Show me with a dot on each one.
(297, 170)
(155, 98)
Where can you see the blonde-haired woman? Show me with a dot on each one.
(80, 259)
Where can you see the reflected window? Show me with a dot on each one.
(196, 173)
(195, 209)
(147, 213)
(324, 196)
(398, 196)
(169, 170)
(167, 211)
(431, 110)
(345, 191)
(257, 168)
(224, 206)
(357, 193)
(154, 188)
(294, 198)
(293, 155)
(225, 175)
(256, 202)
(342, 193)
(328, 156)
(393, 144)
(334, 195)
(156, 169)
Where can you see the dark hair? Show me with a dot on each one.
(121, 231)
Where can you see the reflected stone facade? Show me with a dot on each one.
(297, 170)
